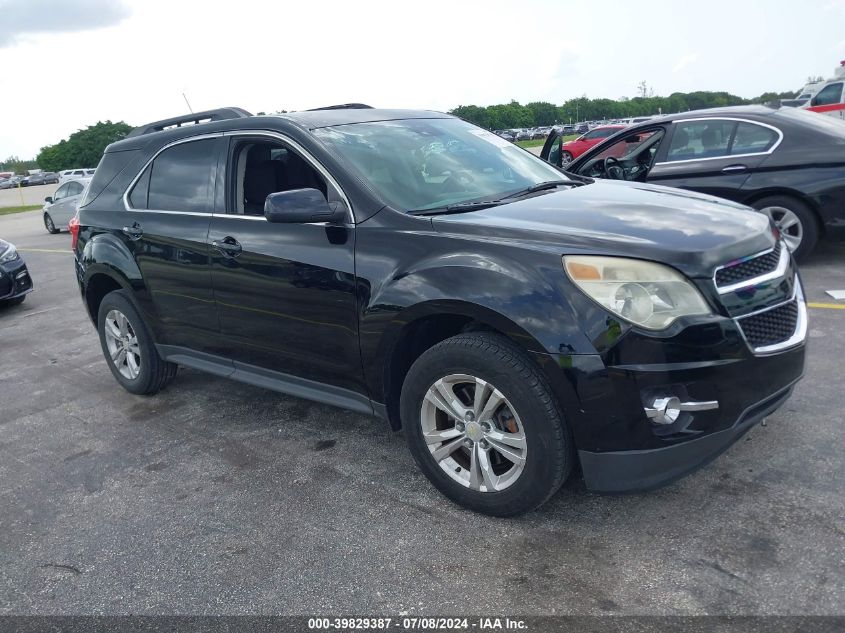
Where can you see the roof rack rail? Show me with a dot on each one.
(220, 114)
(345, 106)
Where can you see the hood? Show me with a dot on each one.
(690, 231)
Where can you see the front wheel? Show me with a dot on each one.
(565, 158)
(49, 225)
(795, 221)
(128, 346)
(483, 426)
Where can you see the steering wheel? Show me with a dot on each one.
(613, 168)
(458, 180)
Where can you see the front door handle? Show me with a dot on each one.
(133, 232)
(734, 168)
(229, 246)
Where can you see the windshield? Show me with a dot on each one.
(423, 164)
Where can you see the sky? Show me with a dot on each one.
(70, 63)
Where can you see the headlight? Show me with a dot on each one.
(647, 294)
(9, 255)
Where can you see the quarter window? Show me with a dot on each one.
(694, 140)
(829, 95)
(179, 179)
(753, 139)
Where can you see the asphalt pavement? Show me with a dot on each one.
(21, 196)
(215, 497)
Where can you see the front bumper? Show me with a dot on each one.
(606, 399)
(14, 280)
(631, 471)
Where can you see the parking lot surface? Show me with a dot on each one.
(219, 498)
(26, 195)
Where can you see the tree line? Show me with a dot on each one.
(542, 113)
(84, 148)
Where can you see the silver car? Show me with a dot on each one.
(61, 206)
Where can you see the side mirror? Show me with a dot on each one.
(632, 139)
(49, 199)
(301, 206)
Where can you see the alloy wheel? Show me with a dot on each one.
(122, 343)
(49, 222)
(473, 433)
(788, 224)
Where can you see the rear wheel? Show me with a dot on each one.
(795, 220)
(128, 347)
(49, 225)
(482, 424)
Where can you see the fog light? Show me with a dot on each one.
(667, 410)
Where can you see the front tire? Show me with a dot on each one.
(795, 220)
(565, 158)
(49, 225)
(128, 347)
(483, 425)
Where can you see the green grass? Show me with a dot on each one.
(539, 142)
(19, 209)
(532, 143)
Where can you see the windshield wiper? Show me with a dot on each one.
(543, 186)
(460, 207)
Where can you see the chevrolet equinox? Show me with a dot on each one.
(514, 320)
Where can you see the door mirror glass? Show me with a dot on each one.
(301, 206)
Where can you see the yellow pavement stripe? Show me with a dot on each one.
(45, 250)
(827, 306)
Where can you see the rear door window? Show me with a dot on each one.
(74, 188)
(704, 138)
(179, 179)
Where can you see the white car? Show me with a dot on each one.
(73, 174)
(61, 206)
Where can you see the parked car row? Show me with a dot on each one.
(45, 178)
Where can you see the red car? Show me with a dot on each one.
(573, 149)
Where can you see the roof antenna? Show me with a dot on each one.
(188, 104)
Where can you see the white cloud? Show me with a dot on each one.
(685, 61)
(21, 18)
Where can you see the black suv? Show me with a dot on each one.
(514, 321)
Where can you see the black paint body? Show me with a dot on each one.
(338, 312)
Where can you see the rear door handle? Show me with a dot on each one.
(133, 232)
(734, 168)
(229, 246)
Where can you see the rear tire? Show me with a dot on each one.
(520, 413)
(128, 347)
(795, 220)
(49, 225)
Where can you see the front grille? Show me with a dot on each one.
(748, 269)
(771, 327)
